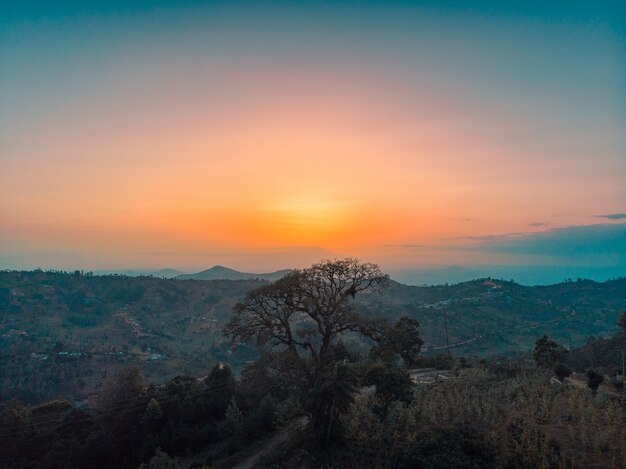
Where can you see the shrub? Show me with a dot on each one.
(594, 379)
(562, 371)
(456, 447)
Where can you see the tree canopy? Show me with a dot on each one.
(298, 320)
(548, 353)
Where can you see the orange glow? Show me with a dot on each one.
(335, 161)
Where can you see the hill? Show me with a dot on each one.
(219, 272)
(492, 316)
(522, 274)
(166, 273)
(604, 353)
(64, 334)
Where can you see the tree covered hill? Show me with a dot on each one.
(493, 316)
(62, 334)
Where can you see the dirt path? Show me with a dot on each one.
(270, 445)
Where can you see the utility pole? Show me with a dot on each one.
(445, 321)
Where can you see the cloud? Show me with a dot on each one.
(589, 243)
(597, 246)
(538, 224)
(613, 216)
(487, 237)
(410, 246)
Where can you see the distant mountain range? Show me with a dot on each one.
(220, 272)
(166, 273)
(161, 273)
(524, 275)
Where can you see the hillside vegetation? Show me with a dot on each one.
(63, 334)
(336, 378)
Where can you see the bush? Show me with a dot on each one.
(160, 460)
(456, 447)
(594, 379)
(562, 371)
(547, 352)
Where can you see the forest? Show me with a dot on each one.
(66, 334)
(329, 386)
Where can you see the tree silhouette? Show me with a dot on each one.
(562, 371)
(401, 339)
(594, 380)
(392, 384)
(298, 320)
(547, 352)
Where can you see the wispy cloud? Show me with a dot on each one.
(538, 224)
(410, 246)
(481, 238)
(571, 242)
(613, 216)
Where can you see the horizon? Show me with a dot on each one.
(413, 135)
(529, 275)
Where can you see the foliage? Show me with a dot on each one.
(392, 384)
(547, 352)
(66, 334)
(594, 380)
(160, 460)
(454, 447)
(402, 339)
(232, 426)
(522, 417)
(221, 377)
(498, 412)
(131, 421)
(562, 371)
(297, 322)
(261, 418)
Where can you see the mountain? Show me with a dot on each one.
(66, 333)
(220, 272)
(487, 317)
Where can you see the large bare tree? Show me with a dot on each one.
(297, 322)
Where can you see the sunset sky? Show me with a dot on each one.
(266, 135)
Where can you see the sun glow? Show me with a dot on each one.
(303, 220)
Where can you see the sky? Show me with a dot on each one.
(265, 135)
